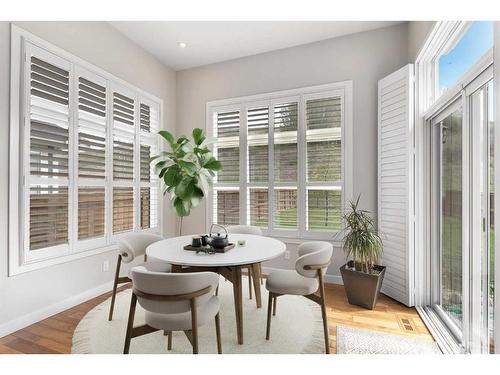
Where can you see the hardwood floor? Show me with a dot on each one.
(53, 335)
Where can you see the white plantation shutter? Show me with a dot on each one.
(124, 116)
(80, 145)
(285, 125)
(91, 157)
(324, 120)
(258, 166)
(47, 165)
(149, 184)
(286, 159)
(395, 179)
(226, 194)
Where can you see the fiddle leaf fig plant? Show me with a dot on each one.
(186, 169)
(362, 242)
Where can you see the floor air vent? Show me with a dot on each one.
(407, 324)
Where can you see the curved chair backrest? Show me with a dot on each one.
(244, 229)
(313, 253)
(134, 244)
(178, 286)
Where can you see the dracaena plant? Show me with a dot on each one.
(187, 170)
(362, 242)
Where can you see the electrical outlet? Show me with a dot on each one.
(105, 266)
(287, 254)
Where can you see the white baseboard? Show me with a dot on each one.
(329, 279)
(38, 315)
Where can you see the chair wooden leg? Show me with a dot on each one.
(275, 302)
(260, 274)
(217, 332)
(169, 342)
(115, 286)
(269, 307)
(130, 324)
(249, 270)
(194, 326)
(323, 312)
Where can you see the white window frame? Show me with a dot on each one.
(343, 89)
(444, 36)
(19, 259)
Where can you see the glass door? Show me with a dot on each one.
(461, 226)
(447, 161)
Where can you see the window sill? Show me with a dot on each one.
(298, 240)
(28, 267)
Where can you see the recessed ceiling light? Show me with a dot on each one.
(182, 45)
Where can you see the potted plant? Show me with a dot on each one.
(187, 170)
(362, 244)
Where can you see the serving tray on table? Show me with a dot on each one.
(209, 249)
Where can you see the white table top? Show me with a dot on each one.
(257, 249)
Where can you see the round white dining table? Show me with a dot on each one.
(257, 249)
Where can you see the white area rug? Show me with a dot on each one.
(357, 341)
(296, 328)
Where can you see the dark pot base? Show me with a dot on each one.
(362, 289)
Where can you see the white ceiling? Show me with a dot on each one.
(214, 41)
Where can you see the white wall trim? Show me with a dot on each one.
(329, 279)
(43, 313)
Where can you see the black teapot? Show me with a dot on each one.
(218, 241)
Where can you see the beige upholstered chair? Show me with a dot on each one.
(130, 247)
(173, 302)
(248, 229)
(306, 280)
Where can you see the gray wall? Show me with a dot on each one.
(417, 34)
(363, 58)
(104, 46)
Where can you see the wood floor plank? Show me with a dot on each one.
(54, 334)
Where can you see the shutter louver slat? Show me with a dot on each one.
(285, 142)
(324, 209)
(49, 113)
(123, 138)
(258, 149)
(91, 130)
(227, 148)
(48, 218)
(227, 207)
(149, 204)
(123, 209)
(91, 212)
(258, 206)
(285, 208)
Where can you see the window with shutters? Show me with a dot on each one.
(80, 170)
(284, 160)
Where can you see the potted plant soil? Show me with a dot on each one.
(362, 246)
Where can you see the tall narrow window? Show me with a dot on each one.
(49, 160)
(149, 124)
(123, 162)
(91, 158)
(324, 162)
(258, 165)
(226, 194)
(285, 165)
